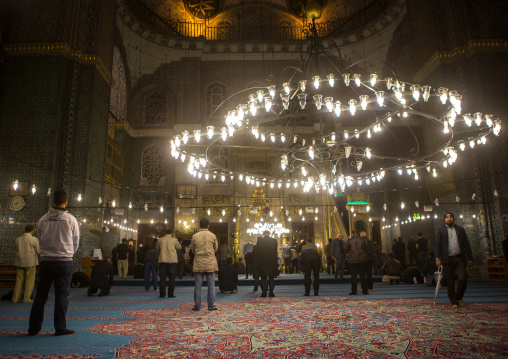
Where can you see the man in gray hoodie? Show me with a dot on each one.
(58, 233)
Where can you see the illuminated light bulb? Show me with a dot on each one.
(368, 152)
(357, 79)
(231, 131)
(389, 119)
(271, 90)
(197, 135)
(497, 127)
(318, 101)
(425, 93)
(462, 146)
(443, 94)
(483, 140)
(79, 197)
(347, 78)
(177, 141)
(360, 181)
(369, 134)
(329, 103)
(357, 134)
(130, 204)
(471, 143)
(380, 97)
(331, 79)
(268, 103)
(446, 129)
(333, 136)
(253, 105)
(161, 209)
(347, 151)
(302, 100)
(263, 137)
(271, 185)
(185, 136)
(373, 79)
(287, 87)
(399, 171)
(210, 130)
(260, 95)
(389, 82)
(304, 171)
(311, 152)
(34, 189)
(363, 101)
(272, 137)
(346, 135)
(434, 172)
(415, 89)
(138, 221)
(316, 80)
(352, 106)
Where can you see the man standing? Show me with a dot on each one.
(310, 262)
(339, 255)
(58, 240)
(356, 249)
(421, 247)
(122, 258)
(286, 257)
(330, 263)
(453, 251)
(413, 253)
(204, 245)
(101, 278)
(168, 262)
(27, 249)
(370, 260)
(266, 251)
(249, 256)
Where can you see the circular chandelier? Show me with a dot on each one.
(324, 128)
(276, 229)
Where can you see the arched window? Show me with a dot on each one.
(153, 166)
(118, 96)
(215, 94)
(155, 106)
(224, 30)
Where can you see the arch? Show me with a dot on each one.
(215, 94)
(153, 166)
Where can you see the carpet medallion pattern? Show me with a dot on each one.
(316, 328)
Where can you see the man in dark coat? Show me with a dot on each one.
(266, 251)
(453, 251)
(356, 249)
(101, 278)
(310, 263)
(228, 277)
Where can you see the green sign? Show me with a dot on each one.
(416, 216)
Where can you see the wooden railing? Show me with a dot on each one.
(246, 33)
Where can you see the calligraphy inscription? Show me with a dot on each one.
(203, 9)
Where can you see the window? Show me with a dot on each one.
(155, 108)
(216, 93)
(153, 166)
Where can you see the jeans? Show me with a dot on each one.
(198, 283)
(150, 267)
(61, 274)
(167, 270)
(458, 264)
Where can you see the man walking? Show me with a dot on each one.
(453, 251)
(58, 241)
(27, 249)
(266, 251)
(204, 245)
(168, 262)
(339, 255)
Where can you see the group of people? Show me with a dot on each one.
(58, 240)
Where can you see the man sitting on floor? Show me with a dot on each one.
(101, 278)
(392, 270)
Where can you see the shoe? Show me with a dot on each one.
(263, 295)
(306, 294)
(161, 296)
(366, 293)
(64, 332)
(32, 333)
(212, 309)
(222, 292)
(147, 290)
(31, 301)
(352, 293)
(89, 292)
(235, 290)
(171, 296)
(455, 306)
(316, 294)
(195, 309)
(271, 295)
(255, 289)
(461, 303)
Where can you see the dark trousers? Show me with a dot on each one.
(368, 274)
(358, 269)
(255, 275)
(267, 282)
(422, 261)
(93, 290)
(61, 274)
(311, 266)
(150, 268)
(181, 269)
(330, 265)
(248, 264)
(288, 268)
(458, 265)
(167, 270)
(413, 256)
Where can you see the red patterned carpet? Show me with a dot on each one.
(322, 327)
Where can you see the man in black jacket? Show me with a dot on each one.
(101, 278)
(356, 249)
(453, 251)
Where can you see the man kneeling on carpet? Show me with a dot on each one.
(102, 277)
(228, 277)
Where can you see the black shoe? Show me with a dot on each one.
(195, 309)
(171, 296)
(263, 295)
(316, 294)
(64, 332)
(255, 289)
(161, 296)
(366, 293)
(32, 332)
(212, 309)
(271, 295)
(306, 294)
(352, 293)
